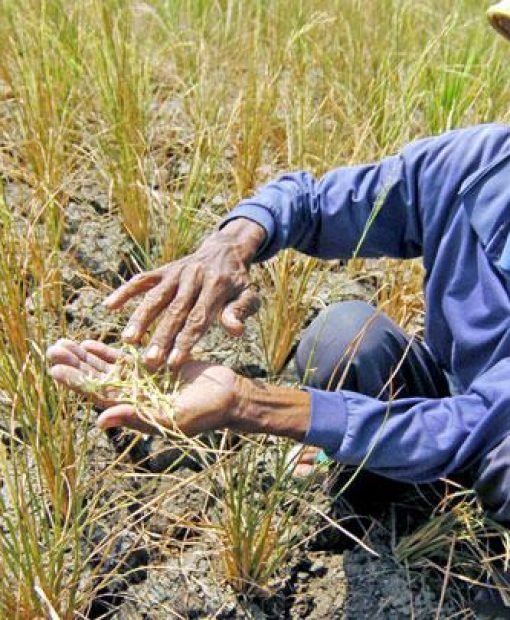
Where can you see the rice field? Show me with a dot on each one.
(127, 131)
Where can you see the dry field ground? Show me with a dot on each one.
(127, 129)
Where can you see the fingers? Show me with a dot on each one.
(196, 324)
(67, 352)
(102, 351)
(58, 353)
(173, 318)
(141, 283)
(127, 416)
(69, 377)
(156, 300)
(82, 367)
(76, 380)
(234, 315)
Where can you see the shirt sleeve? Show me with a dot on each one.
(413, 440)
(372, 210)
(401, 207)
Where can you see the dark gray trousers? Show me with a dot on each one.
(352, 346)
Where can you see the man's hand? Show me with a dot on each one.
(214, 397)
(188, 295)
(207, 402)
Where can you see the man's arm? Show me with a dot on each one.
(415, 440)
(397, 207)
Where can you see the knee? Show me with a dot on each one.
(338, 332)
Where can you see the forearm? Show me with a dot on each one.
(388, 208)
(368, 210)
(271, 410)
(412, 439)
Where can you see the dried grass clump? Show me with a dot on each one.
(462, 543)
(131, 383)
(290, 283)
(262, 523)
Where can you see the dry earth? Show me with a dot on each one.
(329, 577)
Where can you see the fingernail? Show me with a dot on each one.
(101, 423)
(129, 332)
(173, 357)
(153, 354)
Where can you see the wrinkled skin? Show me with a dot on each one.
(214, 397)
(208, 401)
(185, 297)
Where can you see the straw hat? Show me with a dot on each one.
(499, 17)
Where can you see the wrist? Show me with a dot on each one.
(271, 410)
(246, 234)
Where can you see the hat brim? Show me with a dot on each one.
(499, 17)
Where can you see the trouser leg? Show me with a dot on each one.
(352, 346)
(491, 481)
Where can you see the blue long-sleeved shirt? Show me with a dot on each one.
(447, 199)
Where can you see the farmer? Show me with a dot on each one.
(408, 410)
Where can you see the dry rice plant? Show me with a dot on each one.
(46, 490)
(41, 64)
(41, 67)
(264, 515)
(289, 284)
(121, 75)
(461, 542)
(400, 294)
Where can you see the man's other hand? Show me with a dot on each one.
(186, 296)
(213, 397)
(208, 400)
